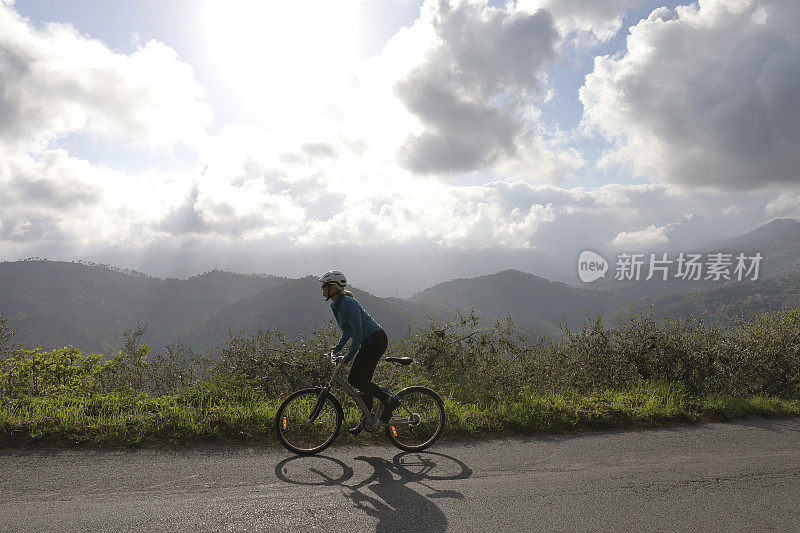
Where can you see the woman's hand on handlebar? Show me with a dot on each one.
(337, 359)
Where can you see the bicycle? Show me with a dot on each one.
(309, 420)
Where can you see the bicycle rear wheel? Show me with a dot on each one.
(422, 416)
(296, 429)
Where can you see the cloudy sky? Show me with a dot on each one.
(403, 142)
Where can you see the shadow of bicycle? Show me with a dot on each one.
(387, 493)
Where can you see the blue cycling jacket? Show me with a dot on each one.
(354, 322)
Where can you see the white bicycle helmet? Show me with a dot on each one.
(334, 277)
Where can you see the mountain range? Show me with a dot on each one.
(53, 304)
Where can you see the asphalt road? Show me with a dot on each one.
(716, 477)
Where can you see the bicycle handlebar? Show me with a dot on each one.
(336, 359)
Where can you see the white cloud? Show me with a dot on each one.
(236, 196)
(236, 211)
(602, 18)
(785, 205)
(56, 81)
(54, 197)
(705, 95)
(520, 216)
(644, 239)
(458, 93)
(450, 217)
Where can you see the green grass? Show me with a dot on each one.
(643, 373)
(120, 420)
(131, 420)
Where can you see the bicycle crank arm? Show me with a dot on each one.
(403, 422)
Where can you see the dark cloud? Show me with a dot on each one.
(65, 195)
(489, 51)
(461, 135)
(216, 217)
(185, 218)
(30, 227)
(468, 90)
(40, 196)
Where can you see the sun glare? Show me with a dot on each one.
(281, 58)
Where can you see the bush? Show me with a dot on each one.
(6, 332)
(759, 355)
(35, 373)
(764, 355)
(273, 364)
(464, 363)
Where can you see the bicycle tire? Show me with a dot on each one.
(426, 404)
(293, 428)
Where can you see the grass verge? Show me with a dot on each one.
(132, 420)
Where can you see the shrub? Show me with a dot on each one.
(36, 373)
(6, 333)
(760, 355)
(463, 362)
(273, 364)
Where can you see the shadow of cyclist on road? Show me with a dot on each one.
(396, 506)
(388, 494)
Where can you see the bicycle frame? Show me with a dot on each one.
(416, 426)
(369, 416)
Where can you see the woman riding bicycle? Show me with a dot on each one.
(368, 343)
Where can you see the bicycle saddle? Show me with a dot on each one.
(400, 360)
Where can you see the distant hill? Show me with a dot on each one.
(778, 242)
(780, 230)
(295, 307)
(724, 305)
(537, 304)
(53, 303)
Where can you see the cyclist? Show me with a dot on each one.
(368, 344)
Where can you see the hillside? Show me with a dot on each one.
(296, 307)
(724, 305)
(778, 242)
(53, 304)
(537, 304)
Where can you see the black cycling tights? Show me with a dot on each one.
(364, 364)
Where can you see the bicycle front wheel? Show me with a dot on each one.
(308, 421)
(420, 419)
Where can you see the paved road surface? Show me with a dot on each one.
(718, 477)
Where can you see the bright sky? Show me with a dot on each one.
(405, 143)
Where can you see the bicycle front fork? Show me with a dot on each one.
(318, 406)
